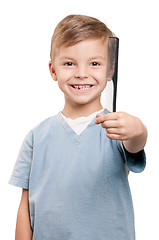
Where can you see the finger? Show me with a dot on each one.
(114, 115)
(111, 116)
(105, 117)
(112, 131)
(100, 118)
(115, 136)
(110, 124)
(116, 130)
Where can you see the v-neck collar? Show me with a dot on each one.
(71, 133)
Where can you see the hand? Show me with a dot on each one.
(120, 125)
(125, 127)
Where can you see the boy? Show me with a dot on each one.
(73, 166)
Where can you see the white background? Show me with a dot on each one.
(28, 95)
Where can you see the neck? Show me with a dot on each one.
(80, 110)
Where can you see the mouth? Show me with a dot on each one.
(82, 86)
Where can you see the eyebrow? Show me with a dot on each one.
(94, 57)
(66, 57)
(97, 57)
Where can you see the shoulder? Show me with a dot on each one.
(44, 128)
(46, 123)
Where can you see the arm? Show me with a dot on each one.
(122, 126)
(23, 228)
(139, 137)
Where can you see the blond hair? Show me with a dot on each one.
(75, 28)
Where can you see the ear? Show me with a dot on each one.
(52, 71)
(109, 77)
(110, 74)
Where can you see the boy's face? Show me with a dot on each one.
(81, 71)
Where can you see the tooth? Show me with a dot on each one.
(81, 87)
(84, 87)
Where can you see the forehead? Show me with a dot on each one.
(85, 48)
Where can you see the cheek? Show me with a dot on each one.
(64, 75)
(103, 84)
(100, 77)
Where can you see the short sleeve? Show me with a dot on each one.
(136, 162)
(21, 172)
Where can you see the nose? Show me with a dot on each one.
(82, 72)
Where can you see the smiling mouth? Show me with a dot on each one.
(82, 87)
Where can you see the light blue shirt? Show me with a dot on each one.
(78, 184)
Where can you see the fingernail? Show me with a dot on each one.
(96, 121)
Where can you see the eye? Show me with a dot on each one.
(95, 64)
(69, 64)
